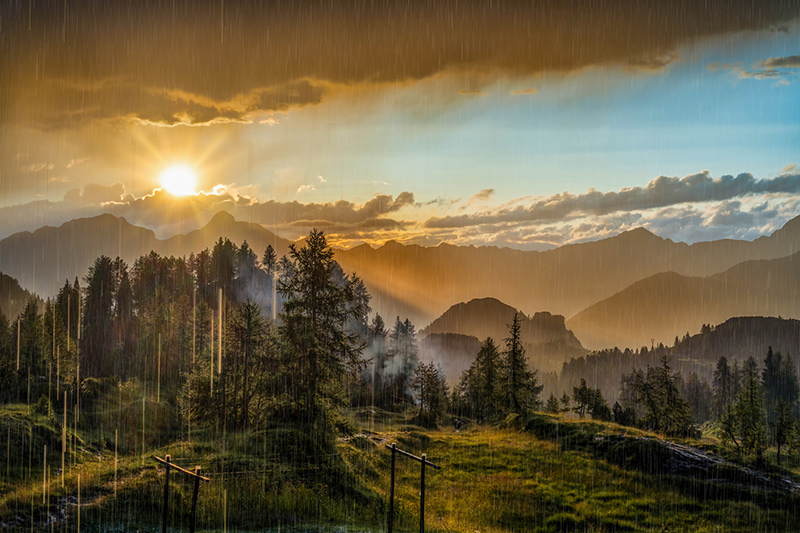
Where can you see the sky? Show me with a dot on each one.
(521, 124)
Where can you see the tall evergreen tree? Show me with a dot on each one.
(314, 319)
(429, 388)
(482, 383)
(723, 386)
(750, 414)
(783, 425)
(98, 341)
(268, 260)
(664, 409)
(521, 389)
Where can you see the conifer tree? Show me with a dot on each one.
(481, 383)
(521, 386)
(314, 319)
(552, 405)
(723, 386)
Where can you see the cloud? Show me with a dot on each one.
(473, 92)
(187, 64)
(168, 215)
(484, 195)
(777, 68)
(33, 168)
(530, 90)
(652, 63)
(780, 62)
(76, 162)
(791, 168)
(660, 192)
(481, 197)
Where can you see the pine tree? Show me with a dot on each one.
(582, 395)
(314, 319)
(782, 426)
(268, 260)
(101, 288)
(657, 393)
(481, 383)
(723, 386)
(552, 405)
(750, 414)
(429, 388)
(521, 386)
(565, 401)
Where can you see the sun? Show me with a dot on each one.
(179, 180)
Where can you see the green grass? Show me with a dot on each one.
(553, 476)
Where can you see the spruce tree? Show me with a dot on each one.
(521, 386)
(314, 319)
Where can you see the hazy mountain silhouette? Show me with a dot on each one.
(668, 304)
(742, 337)
(737, 339)
(422, 282)
(547, 341)
(42, 260)
(13, 298)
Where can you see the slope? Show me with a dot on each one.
(666, 305)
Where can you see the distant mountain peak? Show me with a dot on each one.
(640, 233)
(221, 217)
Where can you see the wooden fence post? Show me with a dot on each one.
(197, 479)
(423, 462)
(194, 499)
(391, 490)
(166, 497)
(422, 496)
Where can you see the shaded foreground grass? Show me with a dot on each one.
(491, 480)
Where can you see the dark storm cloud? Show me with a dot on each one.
(661, 192)
(201, 63)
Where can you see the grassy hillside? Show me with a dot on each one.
(552, 475)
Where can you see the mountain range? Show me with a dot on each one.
(624, 290)
(660, 307)
(43, 259)
(422, 282)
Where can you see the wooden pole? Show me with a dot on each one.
(194, 323)
(197, 479)
(391, 490)
(193, 519)
(64, 440)
(166, 497)
(219, 335)
(422, 496)
(158, 389)
(423, 462)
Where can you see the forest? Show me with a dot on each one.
(230, 342)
